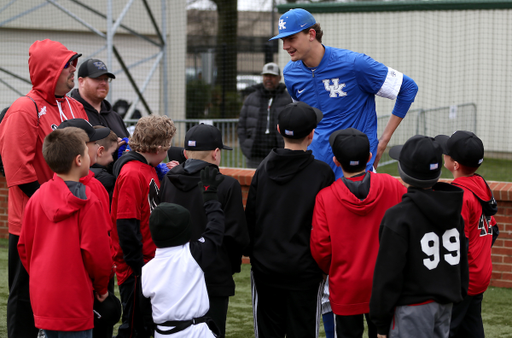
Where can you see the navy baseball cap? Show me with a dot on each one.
(94, 134)
(351, 148)
(204, 137)
(294, 21)
(298, 119)
(464, 147)
(419, 161)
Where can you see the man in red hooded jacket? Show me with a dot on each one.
(22, 131)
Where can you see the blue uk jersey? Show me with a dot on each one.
(343, 87)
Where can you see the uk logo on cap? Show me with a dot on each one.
(100, 65)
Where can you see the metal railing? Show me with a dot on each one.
(430, 122)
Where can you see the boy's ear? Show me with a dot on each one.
(369, 157)
(338, 164)
(185, 154)
(100, 151)
(215, 154)
(78, 160)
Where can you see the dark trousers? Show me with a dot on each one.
(218, 312)
(137, 318)
(467, 318)
(20, 318)
(104, 331)
(282, 312)
(353, 326)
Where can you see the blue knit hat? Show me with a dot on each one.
(294, 21)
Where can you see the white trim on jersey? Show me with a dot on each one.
(391, 86)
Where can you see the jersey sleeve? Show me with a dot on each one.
(320, 241)
(371, 75)
(19, 136)
(204, 250)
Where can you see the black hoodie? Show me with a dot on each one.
(279, 215)
(107, 117)
(180, 186)
(422, 254)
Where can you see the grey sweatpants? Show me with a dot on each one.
(430, 320)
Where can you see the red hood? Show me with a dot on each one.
(61, 203)
(477, 185)
(45, 63)
(354, 204)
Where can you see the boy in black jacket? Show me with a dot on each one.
(422, 266)
(287, 282)
(203, 144)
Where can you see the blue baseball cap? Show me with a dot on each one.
(294, 21)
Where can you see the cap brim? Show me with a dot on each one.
(443, 142)
(76, 56)
(269, 73)
(100, 73)
(100, 134)
(225, 147)
(283, 35)
(394, 152)
(319, 115)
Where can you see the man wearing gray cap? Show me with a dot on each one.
(258, 119)
(93, 86)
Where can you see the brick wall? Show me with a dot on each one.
(501, 252)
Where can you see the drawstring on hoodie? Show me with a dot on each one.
(63, 116)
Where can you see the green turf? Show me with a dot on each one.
(496, 308)
(491, 169)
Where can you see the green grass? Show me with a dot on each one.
(491, 169)
(496, 308)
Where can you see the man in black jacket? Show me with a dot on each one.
(93, 86)
(258, 119)
(203, 144)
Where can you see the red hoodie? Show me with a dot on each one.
(345, 239)
(478, 231)
(65, 249)
(22, 133)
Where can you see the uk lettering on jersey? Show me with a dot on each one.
(336, 89)
(484, 224)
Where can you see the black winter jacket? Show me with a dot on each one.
(107, 117)
(180, 186)
(279, 215)
(252, 124)
(422, 254)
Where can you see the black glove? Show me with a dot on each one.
(210, 181)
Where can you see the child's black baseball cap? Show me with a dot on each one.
(464, 147)
(351, 148)
(204, 137)
(169, 225)
(94, 134)
(419, 161)
(298, 119)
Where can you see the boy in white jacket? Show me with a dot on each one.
(174, 279)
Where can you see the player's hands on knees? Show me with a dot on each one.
(101, 298)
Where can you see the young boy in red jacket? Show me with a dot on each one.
(345, 234)
(136, 189)
(463, 154)
(64, 245)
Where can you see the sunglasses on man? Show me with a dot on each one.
(73, 62)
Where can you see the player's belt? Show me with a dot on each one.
(180, 325)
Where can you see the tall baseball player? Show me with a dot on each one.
(342, 84)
